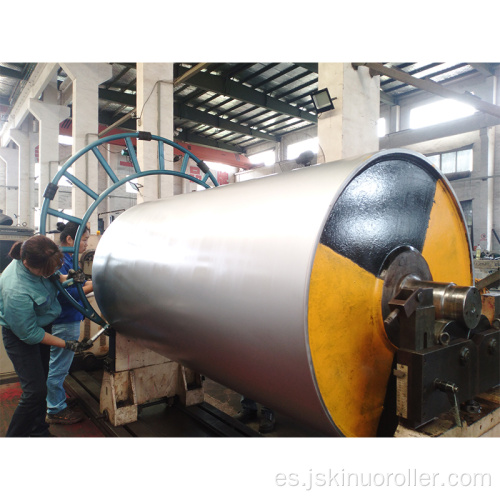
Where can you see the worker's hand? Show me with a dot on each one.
(75, 346)
(78, 276)
(86, 344)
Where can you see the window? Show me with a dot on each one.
(265, 157)
(221, 167)
(66, 140)
(464, 160)
(381, 127)
(294, 150)
(439, 112)
(453, 161)
(221, 172)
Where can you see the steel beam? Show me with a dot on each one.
(189, 73)
(118, 97)
(195, 115)
(211, 143)
(10, 73)
(433, 88)
(246, 94)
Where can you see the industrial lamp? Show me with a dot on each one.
(322, 100)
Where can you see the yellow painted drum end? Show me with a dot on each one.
(350, 353)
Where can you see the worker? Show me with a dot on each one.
(248, 413)
(66, 327)
(28, 305)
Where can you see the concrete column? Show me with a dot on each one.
(11, 158)
(490, 216)
(33, 140)
(105, 181)
(483, 205)
(395, 119)
(58, 202)
(480, 201)
(155, 105)
(495, 245)
(24, 204)
(3, 185)
(49, 117)
(86, 78)
(490, 188)
(351, 128)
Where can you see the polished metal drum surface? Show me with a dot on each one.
(273, 286)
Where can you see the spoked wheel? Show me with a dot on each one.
(206, 182)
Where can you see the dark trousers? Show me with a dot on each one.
(31, 363)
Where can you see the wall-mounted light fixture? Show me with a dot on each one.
(322, 100)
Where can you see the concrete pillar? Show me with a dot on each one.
(86, 78)
(11, 158)
(490, 188)
(490, 215)
(351, 128)
(104, 181)
(3, 185)
(155, 105)
(24, 204)
(33, 141)
(480, 201)
(395, 119)
(483, 205)
(49, 117)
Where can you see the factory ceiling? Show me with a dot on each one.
(233, 106)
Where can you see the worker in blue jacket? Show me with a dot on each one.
(28, 306)
(66, 327)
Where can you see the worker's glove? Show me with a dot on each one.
(75, 346)
(86, 344)
(77, 276)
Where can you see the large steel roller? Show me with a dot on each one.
(274, 287)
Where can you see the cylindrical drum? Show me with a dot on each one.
(273, 287)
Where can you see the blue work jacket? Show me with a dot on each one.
(69, 313)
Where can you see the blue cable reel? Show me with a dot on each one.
(87, 310)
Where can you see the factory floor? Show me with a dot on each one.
(159, 420)
(9, 397)
(228, 401)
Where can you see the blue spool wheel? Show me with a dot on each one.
(52, 187)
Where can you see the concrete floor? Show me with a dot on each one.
(158, 420)
(162, 420)
(228, 401)
(9, 397)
